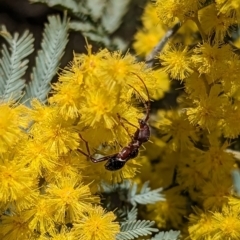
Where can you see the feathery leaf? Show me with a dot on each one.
(146, 195)
(134, 229)
(171, 235)
(132, 214)
(13, 64)
(55, 38)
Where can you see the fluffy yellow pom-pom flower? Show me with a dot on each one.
(96, 225)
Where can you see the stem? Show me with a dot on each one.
(156, 50)
(203, 35)
(208, 88)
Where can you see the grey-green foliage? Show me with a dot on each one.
(236, 181)
(133, 229)
(129, 192)
(55, 38)
(13, 64)
(171, 235)
(145, 196)
(95, 19)
(132, 214)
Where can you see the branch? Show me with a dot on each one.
(156, 50)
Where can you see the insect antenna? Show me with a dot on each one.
(147, 105)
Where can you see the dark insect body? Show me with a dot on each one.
(117, 161)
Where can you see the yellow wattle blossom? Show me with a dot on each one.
(216, 162)
(227, 224)
(176, 130)
(170, 10)
(14, 179)
(150, 17)
(171, 211)
(231, 116)
(188, 169)
(13, 118)
(176, 61)
(56, 134)
(63, 234)
(201, 225)
(195, 85)
(41, 215)
(15, 226)
(147, 39)
(211, 59)
(71, 164)
(215, 23)
(69, 199)
(163, 82)
(96, 224)
(229, 7)
(215, 192)
(208, 109)
(39, 159)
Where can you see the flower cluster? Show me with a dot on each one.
(47, 183)
(189, 155)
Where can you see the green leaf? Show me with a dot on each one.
(171, 235)
(134, 229)
(146, 195)
(236, 181)
(13, 64)
(132, 215)
(112, 17)
(55, 38)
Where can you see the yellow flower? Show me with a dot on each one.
(63, 234)
(14, 179)
(172, 211)
(68, 99)
(98, 108)
(38, 158)
(215, 192)
(230, 7)
(26, 198)
(150, 17)
(96, 224)
(177, 131)
(69, 198)
(195, 85)
(169, 10)
(163, 83)
(56, 134)
(201, 225)
(211, 59)
(13, 118)
(15, 227)
(176, 62)
(145, 40)
(228, 123)
(41, 216)
(228, 224)
(234, 203)
(70, 164)
(216, 162)
(214, 23)
(208, 110)
(188, 169)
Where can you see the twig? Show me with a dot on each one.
(151, 57)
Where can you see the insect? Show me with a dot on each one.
(116, 161)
